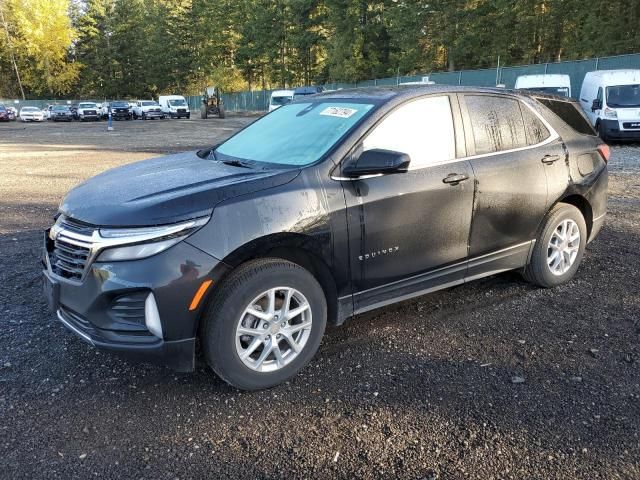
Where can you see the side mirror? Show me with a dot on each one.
(377, 162)
(596, 105)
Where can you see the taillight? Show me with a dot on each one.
(604, 151)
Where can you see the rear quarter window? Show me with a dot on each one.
(570, 114)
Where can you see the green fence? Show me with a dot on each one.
(258, 100)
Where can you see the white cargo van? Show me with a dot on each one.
(279, 98)
(174, 106)
(611, 100)
(553, 84)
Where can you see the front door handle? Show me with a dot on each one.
(454, 179)
(549, 159)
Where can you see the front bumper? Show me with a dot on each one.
(106, 307)
(153, 114)
(614, 131)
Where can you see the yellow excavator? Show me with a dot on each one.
(212, 103)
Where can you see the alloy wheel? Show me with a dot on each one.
(563, 247)
(273, 329)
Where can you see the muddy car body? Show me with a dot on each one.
(369, 197)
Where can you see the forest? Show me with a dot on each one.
(140, 48)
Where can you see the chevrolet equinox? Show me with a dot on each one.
(330, 206)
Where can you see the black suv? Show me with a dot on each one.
(330, 206)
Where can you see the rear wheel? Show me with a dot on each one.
(264, 324)
(559, 247)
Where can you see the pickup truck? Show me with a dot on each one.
(145, 109)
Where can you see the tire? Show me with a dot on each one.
(226, 311)
(203, 112)
(602, 132)
(540, 269)
(188, 116)
(221, 112)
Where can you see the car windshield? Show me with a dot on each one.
(87, 105)
(280, 100)
(60, 108)
(561, 91)
(120, 104)
(621, 96)
(29, 109)
(296, 134)
(178, 103)
(149, 104)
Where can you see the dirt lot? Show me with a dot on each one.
(420, 390)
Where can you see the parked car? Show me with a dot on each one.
(61, 113)
(119, 110)
(174, 106)
(145, 109)
(304, 91)
(552, 84)
(279, 98)
(611, 100)
(4, 114)
(47, 111)
(88, 111)
(13, 113)
(327, 207)
(31, 114)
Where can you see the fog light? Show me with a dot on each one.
(152, 317)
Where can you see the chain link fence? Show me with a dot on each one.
(258, 100)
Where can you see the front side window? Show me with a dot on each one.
(496, 123)
(623, 96)
(296, 134)
(423, 129)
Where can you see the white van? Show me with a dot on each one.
(611, 100)
(174, 106)
(279, 98)
(551, 83)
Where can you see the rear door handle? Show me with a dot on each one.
(549, 159)
(455, 178)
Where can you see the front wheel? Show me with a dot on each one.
(264, 323)
(559, 247)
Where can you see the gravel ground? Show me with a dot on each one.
(494, 379)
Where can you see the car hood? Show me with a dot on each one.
(164, 190)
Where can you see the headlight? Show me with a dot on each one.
(137, 243)
(610, 113)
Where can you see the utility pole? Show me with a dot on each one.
(13, 57)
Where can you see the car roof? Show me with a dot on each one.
(613, 75)
(397, 93)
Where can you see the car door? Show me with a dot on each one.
(408, 232)
(508, 159)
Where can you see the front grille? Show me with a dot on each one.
(631, 125)
(182, 110)
(68, 260)
(89, 112)
(70, 252)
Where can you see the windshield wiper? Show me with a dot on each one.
(237, 163)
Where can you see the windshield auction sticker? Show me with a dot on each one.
(340, 112)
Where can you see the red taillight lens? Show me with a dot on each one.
(604, 151)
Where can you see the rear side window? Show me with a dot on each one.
(568, 112)
(496, 122)
(534, 128)
(423, 129)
